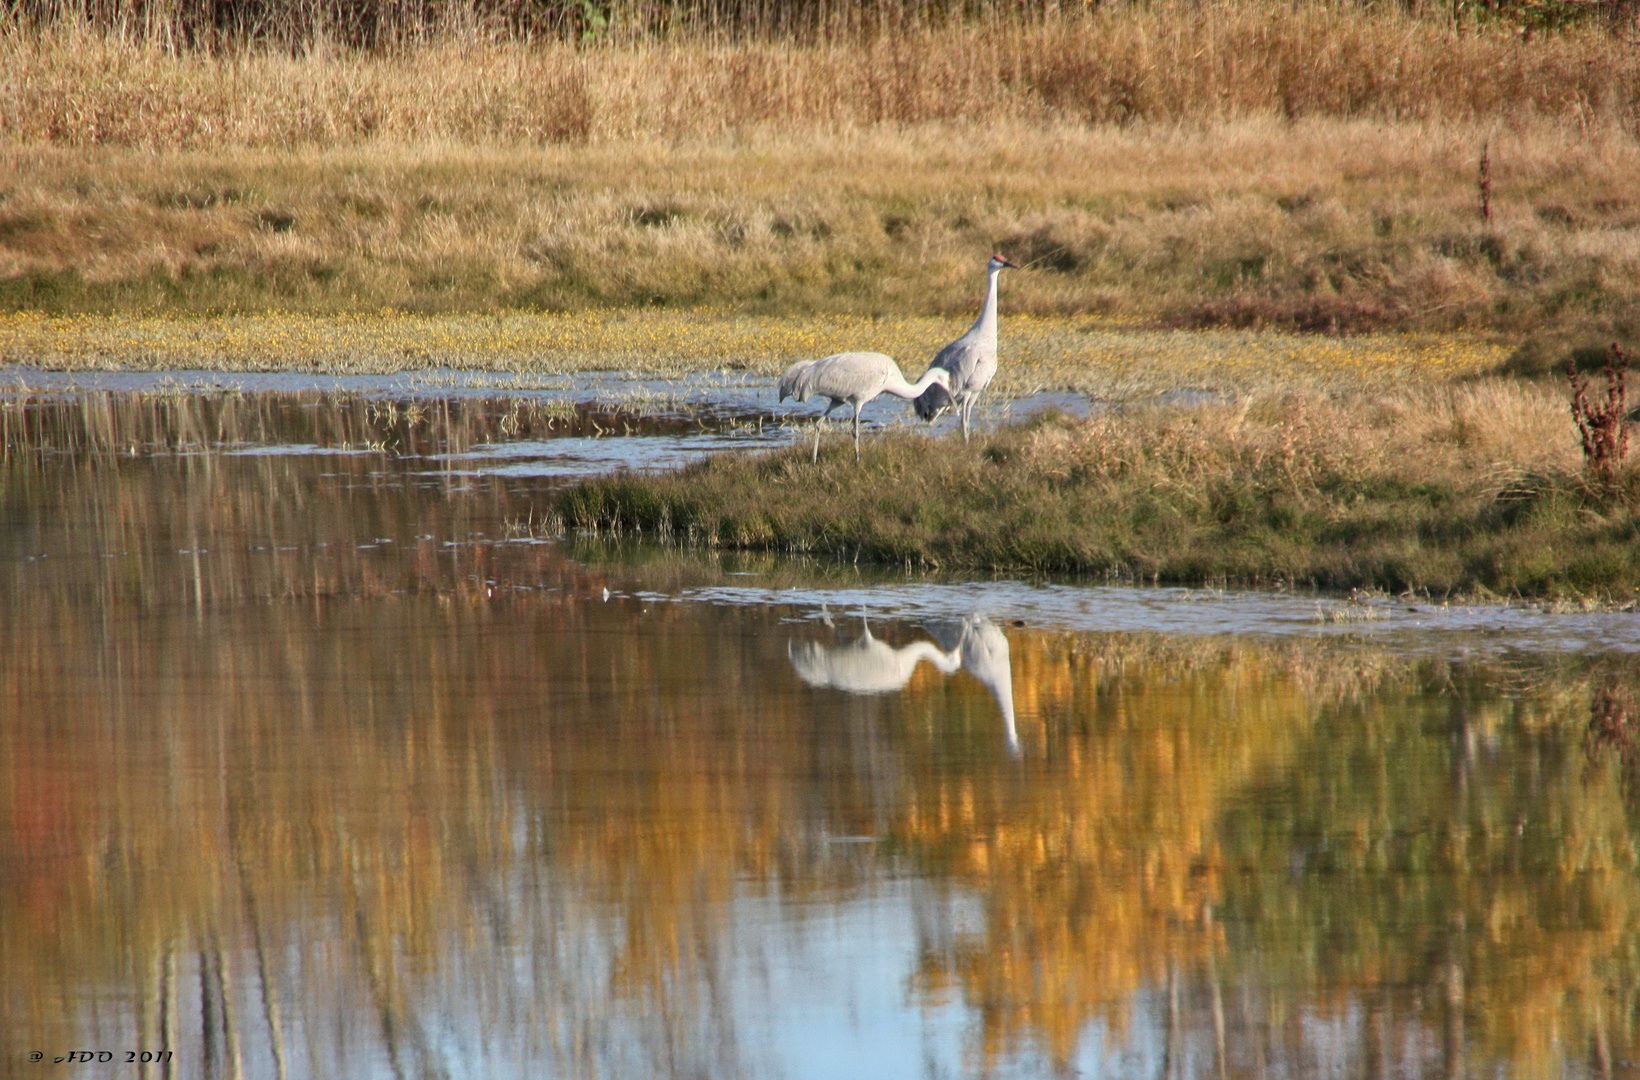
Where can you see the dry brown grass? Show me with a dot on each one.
(1233, 163)
(1109, 362)
(1317, 224)
(1487, 437)
(72, 86)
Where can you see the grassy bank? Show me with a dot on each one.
(1231, 164)
(1468, 490)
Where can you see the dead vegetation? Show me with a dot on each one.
(1317, 226)
(72, 82)
(1602, 425)
(1233, 163)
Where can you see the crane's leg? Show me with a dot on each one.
(962, 412)
(834, 404)
(856, 434)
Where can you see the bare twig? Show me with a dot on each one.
(1486, 181)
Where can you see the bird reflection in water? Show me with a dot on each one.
(868, 665)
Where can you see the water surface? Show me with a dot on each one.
(320, 756)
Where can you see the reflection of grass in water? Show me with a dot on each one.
(1098, 357)
(458, 760)
(1112, 868)
(104, 425)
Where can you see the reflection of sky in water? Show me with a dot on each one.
(285, 450)
(580, 456)
(841, 970)
(719, 395)
(1383, 622)
(728, 390)
(832, 999)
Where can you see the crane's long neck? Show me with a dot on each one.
(948, 662)
(985, 326)
(901, 388)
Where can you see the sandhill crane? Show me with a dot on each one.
(971, 359)
(855, 378)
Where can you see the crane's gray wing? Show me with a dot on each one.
(794, 385)
(962, 358)
(948, 632)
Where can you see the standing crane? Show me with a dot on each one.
(971, 359)
(854, 378)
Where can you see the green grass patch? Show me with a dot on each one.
(1188, 496)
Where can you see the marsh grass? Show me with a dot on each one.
(70, 82)
(101, 429)
(1473, 489)
(1232, 164)
(1324, 225)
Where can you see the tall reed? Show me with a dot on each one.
(78, 82)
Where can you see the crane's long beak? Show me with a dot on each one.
(1005, 262)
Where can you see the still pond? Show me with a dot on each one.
(321, 755)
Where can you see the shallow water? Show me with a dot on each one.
(318, 758)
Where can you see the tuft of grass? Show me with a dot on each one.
(1457, 489)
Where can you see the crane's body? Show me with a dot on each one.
(866, 666)
(852, 378)
(971, 359)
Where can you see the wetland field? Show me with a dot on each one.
(428, 649)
